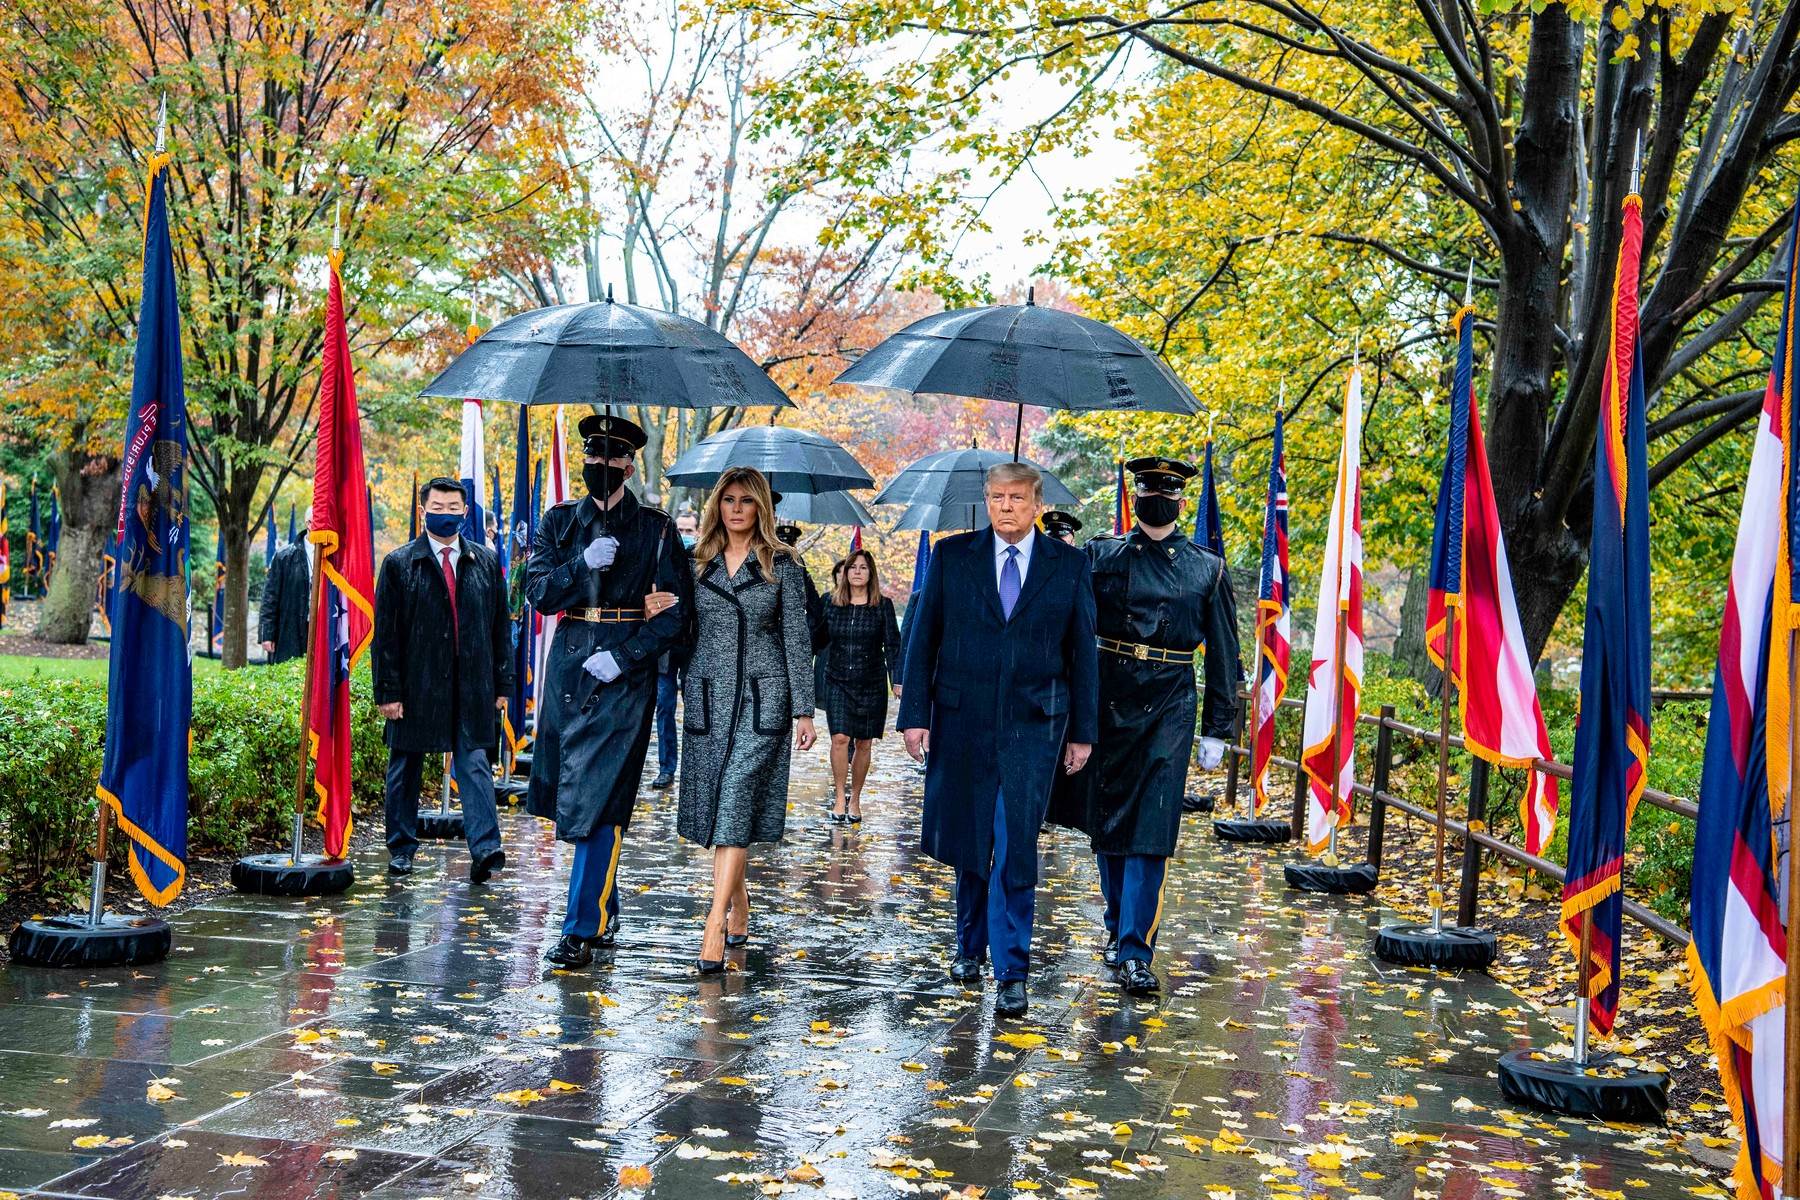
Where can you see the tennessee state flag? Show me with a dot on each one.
(340, 529)
(1334, 682)
(1612, 740)
(1738, 954)
(1502, 721)
(1273, 647)
(1209, 529)
(150, 683)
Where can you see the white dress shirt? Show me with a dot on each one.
(1001, 546)
(438, 548)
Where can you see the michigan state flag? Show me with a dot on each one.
(150, 694)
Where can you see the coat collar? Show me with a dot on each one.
(1041, 565)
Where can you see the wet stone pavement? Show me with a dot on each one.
(406, 1041)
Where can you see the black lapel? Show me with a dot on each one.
(987, 575)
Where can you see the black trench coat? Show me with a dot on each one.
(286, 603)
(592, 736)
(1177, 596)
(448, 689)
(997, 695)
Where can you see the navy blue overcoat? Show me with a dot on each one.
(999, 696)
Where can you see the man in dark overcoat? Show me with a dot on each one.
(1160, 601)
(594, 561)
(1000, 688)
(286, 603)
(442, 666)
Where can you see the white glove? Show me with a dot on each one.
(1212, 753)
(600, 553)
(602, 666)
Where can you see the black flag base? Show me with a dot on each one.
(509, 791)
(1353, 880)
(118, 941)
(1606, 1088)
(1270, 833)
(283, 875)
(441, 825)
(1195, 802)
(1452, 948)
(522, 764)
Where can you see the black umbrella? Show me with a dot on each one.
(794, 460)
(607, 354)
(1022, 354)
(824, 508)
(948, 490)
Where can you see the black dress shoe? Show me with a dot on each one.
(400, 864)
(1009, 1001)
(1136, 977)
(481, 871)
(1110, 953)
(571, 951)
(664, 781)
(607, 940)
(965, 970)
(709, 966)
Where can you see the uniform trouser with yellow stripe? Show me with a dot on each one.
(1132, 885)
(594, 883)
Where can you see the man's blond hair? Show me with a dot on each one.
(1016, 472)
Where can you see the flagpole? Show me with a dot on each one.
(312, 639)
(1443, 773)
(1583, 972)
(1790, 1135)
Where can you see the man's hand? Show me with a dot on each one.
(602, 666)
(657, 603)
(392, 712)
(1212, 753)
(268, 647)
(804, 734)
(600, 553)
(1075, 756)
(896, 691)
(918, 742)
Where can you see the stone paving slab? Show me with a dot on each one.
(406, 1041)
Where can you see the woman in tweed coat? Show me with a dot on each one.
(749, 684)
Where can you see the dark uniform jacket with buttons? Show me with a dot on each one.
(1172, 595)
(286, 597)
(592, 736)
(447, 673)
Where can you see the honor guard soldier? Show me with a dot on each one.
(1161, 601)
(1061, 525)
(594, 561)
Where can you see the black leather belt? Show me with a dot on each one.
(1142, 653)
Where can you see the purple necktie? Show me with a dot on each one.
(1009, 582)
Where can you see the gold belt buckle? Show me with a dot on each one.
(1140, 652)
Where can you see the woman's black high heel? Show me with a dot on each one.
(709, 966)
(734, 940)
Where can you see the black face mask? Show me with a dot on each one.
(1156, 511)
(601, 479)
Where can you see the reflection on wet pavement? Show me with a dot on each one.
(406, 1040)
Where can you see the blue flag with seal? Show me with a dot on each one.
(150, 694)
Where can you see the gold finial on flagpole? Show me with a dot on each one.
(1281, 396)
(1209, 426)
(162, 124)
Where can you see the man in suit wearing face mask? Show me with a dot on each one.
(1160, 602)
(595, 560)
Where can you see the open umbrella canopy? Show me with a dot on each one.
(794, 460)
(823, 508)
(958, 477)
(1022, 354)
(607, 354)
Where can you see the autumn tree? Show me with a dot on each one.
(1502, 131)
(427, 132)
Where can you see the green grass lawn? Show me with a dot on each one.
(16, 669)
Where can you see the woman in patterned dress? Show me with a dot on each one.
(749, 688)
(863, 654)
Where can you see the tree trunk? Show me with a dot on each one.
(1409, 645)
(89, 513)
(234, 520)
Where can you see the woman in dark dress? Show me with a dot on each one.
(748, 693)
(864, 653)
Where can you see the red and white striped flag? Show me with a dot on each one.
(1273, 608)
(1334, 682)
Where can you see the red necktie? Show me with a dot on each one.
(450, 582)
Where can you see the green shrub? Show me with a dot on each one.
(240, 769)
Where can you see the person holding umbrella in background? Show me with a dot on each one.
(863, 656)
(595, 561)
(1159, 600)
